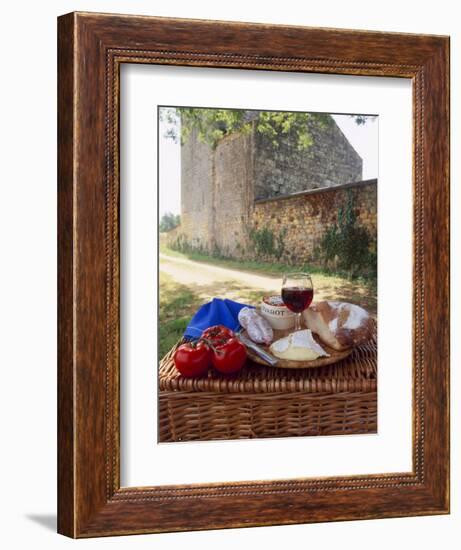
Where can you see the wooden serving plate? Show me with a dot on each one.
(334, 355)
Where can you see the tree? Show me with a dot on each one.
(169, 221)
(213, 124)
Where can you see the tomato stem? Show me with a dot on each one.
(211, 346)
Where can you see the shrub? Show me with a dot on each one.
(348, 245)
(267, 244)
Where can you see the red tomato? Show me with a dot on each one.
(192, 359)
(217, 334)
(229, 357)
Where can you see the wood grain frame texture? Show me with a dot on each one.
(91, 48)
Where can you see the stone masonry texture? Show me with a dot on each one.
(306, 217)
(285, 169)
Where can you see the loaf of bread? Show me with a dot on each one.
(339, 325)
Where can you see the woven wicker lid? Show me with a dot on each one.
(358, 372)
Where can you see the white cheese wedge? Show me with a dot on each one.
(298, 346)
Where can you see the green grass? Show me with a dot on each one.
(177, 306)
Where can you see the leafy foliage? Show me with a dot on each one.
(360, 120)
(268, 244)
(183, 245)
(213, 124)
(349, 245)
(169, 221)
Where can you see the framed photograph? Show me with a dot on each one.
(253, 275)
(260, 211)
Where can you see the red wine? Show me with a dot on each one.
(296, 298)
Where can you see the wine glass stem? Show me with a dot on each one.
(298, 321)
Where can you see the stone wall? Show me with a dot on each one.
(233, 193)
(305, 217)
(223, 193)
(329, 161)
(197, 193)
(216, 195)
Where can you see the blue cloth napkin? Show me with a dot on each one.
(217, 312)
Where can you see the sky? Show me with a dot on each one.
(169, 173)
(364, 139)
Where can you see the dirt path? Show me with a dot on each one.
(209, 281)
(189, 272)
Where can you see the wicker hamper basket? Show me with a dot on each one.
(269, 402)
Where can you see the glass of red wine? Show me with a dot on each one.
(297, 294)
